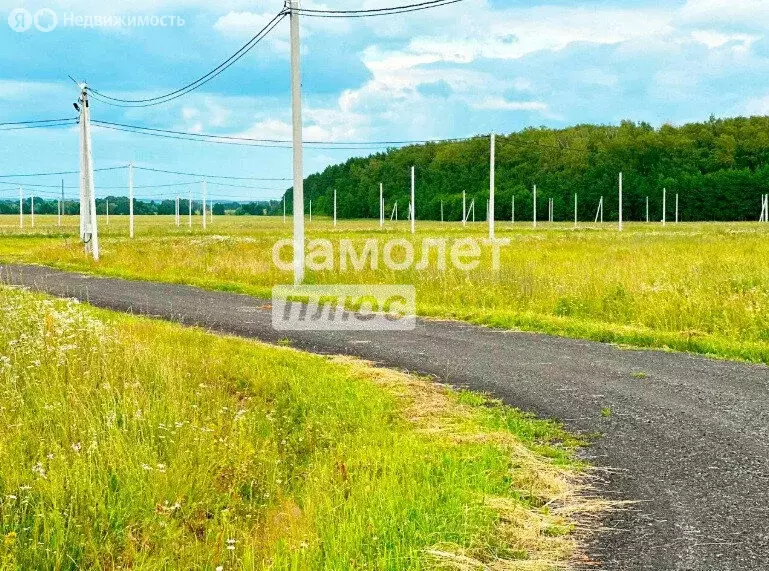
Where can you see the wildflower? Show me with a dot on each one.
(219, 568)
(10, 538)
(76, 447)
(39, 470)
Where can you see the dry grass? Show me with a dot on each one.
(566, 506)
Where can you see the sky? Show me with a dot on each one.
(473, 67)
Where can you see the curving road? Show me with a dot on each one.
(687, 437)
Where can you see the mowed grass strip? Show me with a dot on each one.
(137, 444)
(696, 287)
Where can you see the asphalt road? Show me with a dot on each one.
(689, 441)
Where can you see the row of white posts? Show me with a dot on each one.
(764, 208)
(468, 212)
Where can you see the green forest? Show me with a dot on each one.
(118, 205)
(719, 169)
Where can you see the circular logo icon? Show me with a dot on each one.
(20, 20)
(46, 20)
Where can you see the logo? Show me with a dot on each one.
(44, 20)
(20, 20)
(344, 308)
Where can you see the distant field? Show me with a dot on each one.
(693, 286)
(128, 443)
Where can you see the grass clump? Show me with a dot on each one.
(131, 443)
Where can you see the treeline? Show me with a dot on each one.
(118, 205)
(719, 169)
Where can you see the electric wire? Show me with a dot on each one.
(352, 145)
(218, 70)
(207, 176)
(311, 13)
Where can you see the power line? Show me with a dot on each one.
(59, 173)
(214, 183)
(19, 127)
(207, 176)
(314, 13)
(218, 70)
(186, 137)
(36, 121)
(351, 145)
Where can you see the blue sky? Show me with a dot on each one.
(468, 68)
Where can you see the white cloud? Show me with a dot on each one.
(757, 106)
(516, 33)
(330, 125)
(246, 24)
(725, 11)
(11, 90)
(713, 39)
(501, 104)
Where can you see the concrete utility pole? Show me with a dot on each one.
(575, 210)
(203, 203)
(676, 208)
(647, 209)
(89, 232)
(189, 206)
(32, 209)
(61, 202)
(284, 210)
(107, 211)
(620, 202)
(21, 207)
(413, 203)
(334, 208)
(130, 200)
(664, 205)
(441, 212)
(491, 186)
(512, 214)
(177, 211)
(296, 119)
(535, 206)
(381, 205)
(464, 208)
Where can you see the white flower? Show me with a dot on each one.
(39, 470)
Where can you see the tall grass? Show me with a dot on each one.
(698, 287)
(130, 443)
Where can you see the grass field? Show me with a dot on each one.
(131, 443)
(694, 287)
